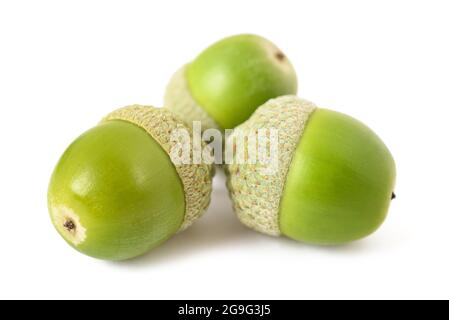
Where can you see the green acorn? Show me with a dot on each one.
(334, 180)
(226, 83)
(116, 193)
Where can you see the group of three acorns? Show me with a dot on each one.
(116, 193)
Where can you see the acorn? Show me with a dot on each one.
(116, 192)
(226, 83)
(333, 181)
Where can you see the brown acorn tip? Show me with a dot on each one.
(69, 225)
(280, 56)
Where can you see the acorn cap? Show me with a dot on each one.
(257, 196)
(196, 178)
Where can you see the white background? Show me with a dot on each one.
(65, 64)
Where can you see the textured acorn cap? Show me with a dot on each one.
(196, 178)
(256, 196)
(179, 100)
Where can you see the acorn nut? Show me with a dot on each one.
(116, 193)
(334, 181)
(225, 84)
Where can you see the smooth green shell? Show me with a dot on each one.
(340, 182)
(121, 190)
(234, 76)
